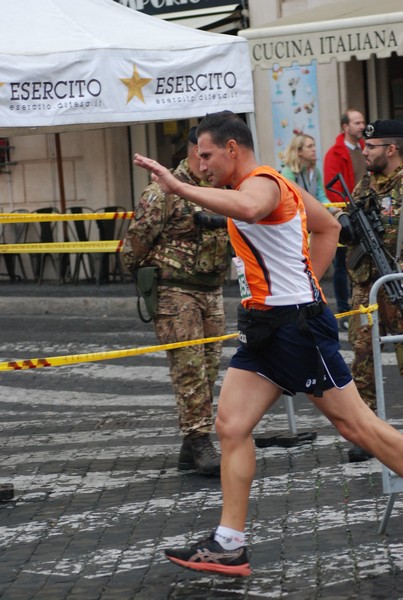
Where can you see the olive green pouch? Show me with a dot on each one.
(147, 284)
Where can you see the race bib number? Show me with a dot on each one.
(243, 284)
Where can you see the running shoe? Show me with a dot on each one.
(209, 555)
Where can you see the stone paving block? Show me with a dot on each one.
(24, 587)
(99, 496)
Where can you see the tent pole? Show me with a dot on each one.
(65, 258)
(60, 173)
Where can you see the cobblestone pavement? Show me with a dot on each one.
(91, 450)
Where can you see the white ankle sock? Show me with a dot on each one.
(228, 538)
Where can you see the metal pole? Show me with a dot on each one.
(60, 173)
(65, 259)
(290, 414)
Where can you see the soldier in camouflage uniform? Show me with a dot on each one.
(384, 159)
(191, 250)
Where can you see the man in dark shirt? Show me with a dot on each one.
(345, 157)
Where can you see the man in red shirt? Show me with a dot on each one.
(345, 157)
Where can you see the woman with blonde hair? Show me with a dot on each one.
(300, 166)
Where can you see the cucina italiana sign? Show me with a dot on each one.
(323, 46)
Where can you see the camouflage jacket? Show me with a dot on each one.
(164, 234)
(390, 193)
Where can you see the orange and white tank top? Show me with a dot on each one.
(272, 258)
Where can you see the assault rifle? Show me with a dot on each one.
(363, 227)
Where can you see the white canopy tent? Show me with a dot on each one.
(96, 63)
(85, 64)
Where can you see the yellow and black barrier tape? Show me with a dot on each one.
(362, 310)
(60, 361)
(57, 247)
(72, 359)
(44, 217)
(334, 204)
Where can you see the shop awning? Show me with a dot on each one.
(219, 19)
(339, 31)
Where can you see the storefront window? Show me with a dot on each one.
(396, 82)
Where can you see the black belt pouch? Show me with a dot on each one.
(256, 327)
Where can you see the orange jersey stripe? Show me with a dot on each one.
(272, 256)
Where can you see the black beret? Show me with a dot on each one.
(192, 135)
(388, 128)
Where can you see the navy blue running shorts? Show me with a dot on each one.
(290, 358)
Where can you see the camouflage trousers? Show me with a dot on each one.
(390, 322)
(188, 315)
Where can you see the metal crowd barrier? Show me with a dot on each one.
(392, 483)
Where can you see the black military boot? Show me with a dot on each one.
(198, 452)
(357, 454)
(185, 460)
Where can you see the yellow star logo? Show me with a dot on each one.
(135, 84)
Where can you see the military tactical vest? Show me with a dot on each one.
(390, 195)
